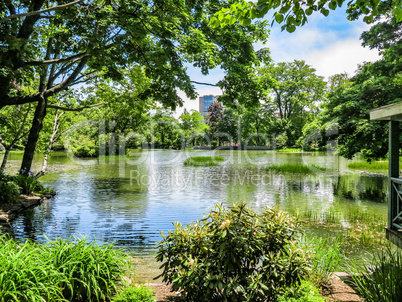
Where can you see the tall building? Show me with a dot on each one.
(206, 101)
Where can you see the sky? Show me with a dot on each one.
(330, 44)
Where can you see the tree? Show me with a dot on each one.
(295, 95)
(295, 13)
(55, 45)
(376, 84)
(193, 126)
(214, 117)
(13, 128)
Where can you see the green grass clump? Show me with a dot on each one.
(295, 168)
(305, 292)
(61, 270)
(204, 161)
(135, 294)
(381, 279)
(290, 150)
(362, 165)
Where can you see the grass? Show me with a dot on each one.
(382, 278)
(295, 168)
(61, 270)
(377, 165)
(204, 161)
(290, 150)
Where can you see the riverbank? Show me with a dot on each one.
(9, 211)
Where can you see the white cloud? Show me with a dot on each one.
(344, 56)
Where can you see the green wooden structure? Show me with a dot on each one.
(393, 114)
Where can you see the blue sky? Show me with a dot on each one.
(330, 44)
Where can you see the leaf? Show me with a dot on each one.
(325, 12)
(279, 18)
(291, 28)
(245, 22)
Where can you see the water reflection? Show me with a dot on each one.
(130, 200)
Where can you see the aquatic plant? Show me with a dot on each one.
(295, 168)
(234, 255)
(203, 161)
(376, 165)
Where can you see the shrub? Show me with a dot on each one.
(28, 184)
(135, 294)
(234, 255)
(9, 192)
(306, 292)
(381, 280)
(203, 161)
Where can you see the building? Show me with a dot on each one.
(206, 101)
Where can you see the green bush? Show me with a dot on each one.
(135, 294)
(306, 292)
(9, 192)
(58, 271)
(382, 279)
(28, 184)
(234, 255)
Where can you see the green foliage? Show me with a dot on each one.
(234, 255)
(9, 192)
(305, 292)
(135, 294)
(346, 113)
(382, 278)
(85, 147)
(28, 184)
(296, 13)
(378, 165)
(326, 256)
(204, 161)
(58, 271)
(295, 168)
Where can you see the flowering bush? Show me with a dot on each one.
(234, 255)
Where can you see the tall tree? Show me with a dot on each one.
(57, 44)
(376, 84)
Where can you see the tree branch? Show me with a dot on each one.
(76, 109)
(207, 84)
(38, 12)
(55, 61)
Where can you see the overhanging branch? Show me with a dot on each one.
(76, 109)
(207, 84)
(38, 12)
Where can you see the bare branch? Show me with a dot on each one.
(207, 84)
(76, 109)
(38, 12)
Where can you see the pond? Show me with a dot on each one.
(129, 200)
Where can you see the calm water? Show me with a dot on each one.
(130, 200)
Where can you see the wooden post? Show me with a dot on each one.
(393, 169)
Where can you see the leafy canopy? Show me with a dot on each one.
(295, 13)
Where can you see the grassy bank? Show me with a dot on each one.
(203, 161)
(373, 166)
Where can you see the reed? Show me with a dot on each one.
(377, 165)
(295, 168)
(204, 161)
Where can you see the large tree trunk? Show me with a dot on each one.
(33, 136)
